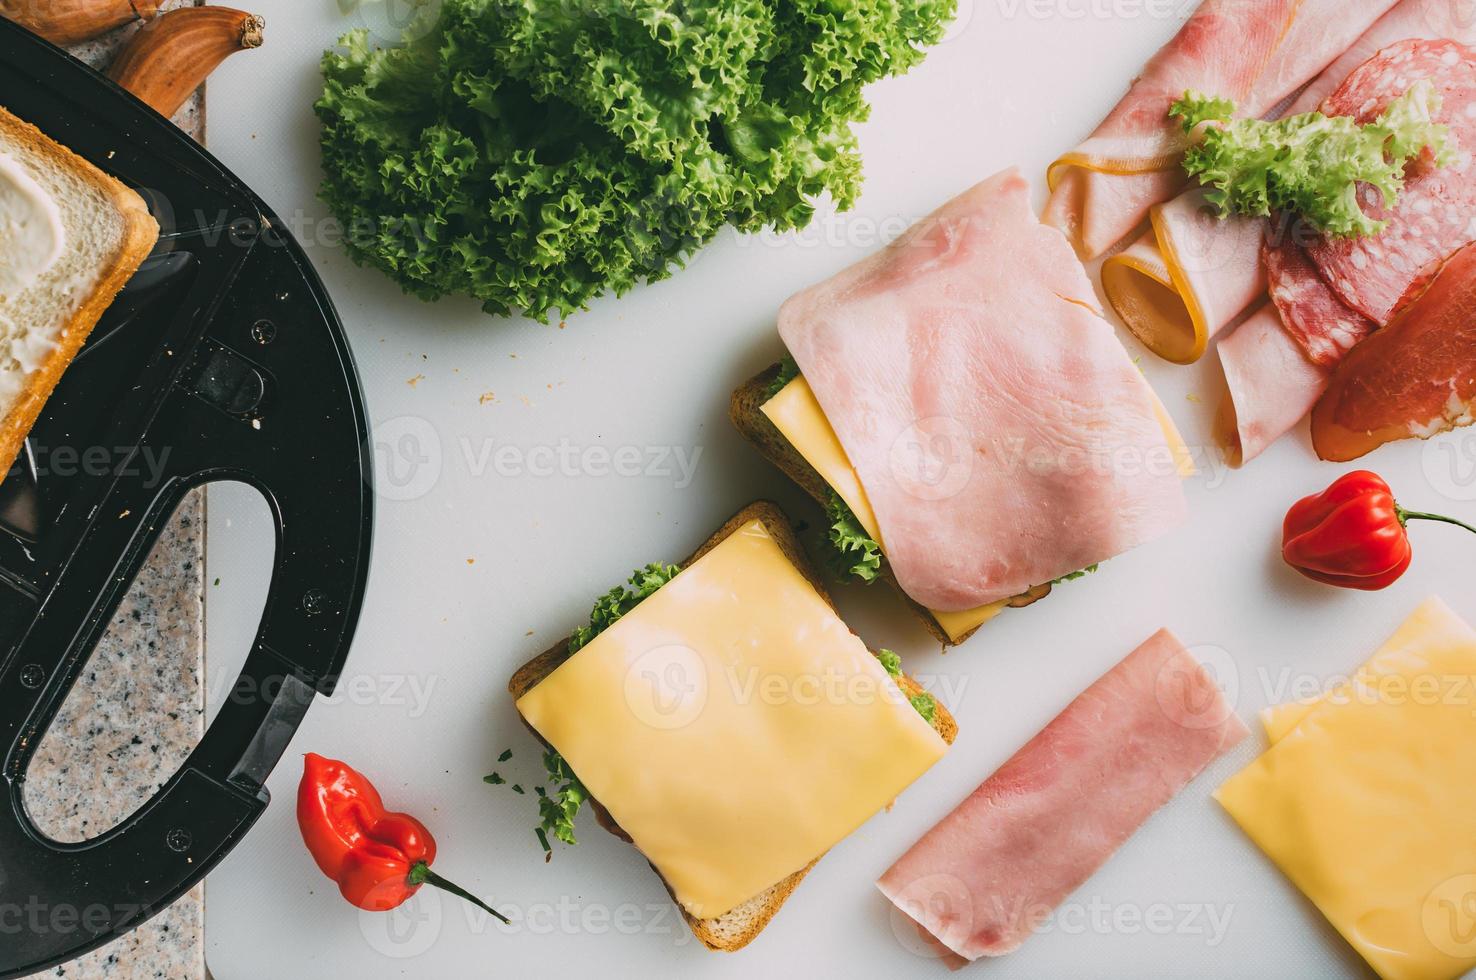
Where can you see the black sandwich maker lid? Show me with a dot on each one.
(225, 360)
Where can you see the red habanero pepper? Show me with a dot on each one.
(378, 858)
(1352, 534)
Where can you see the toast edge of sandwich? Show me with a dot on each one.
(739, 927)
(745, 411)
(140, 232)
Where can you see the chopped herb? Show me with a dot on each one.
(495, 779)
(506, 754)
(517, 788)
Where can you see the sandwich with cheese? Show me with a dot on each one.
(720, 716)
(70, 237)
(972, 425)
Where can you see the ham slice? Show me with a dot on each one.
(1000, 430)
(1257, 52)
(1272, 386)
(1053, 814)
(1415, 377)
(1192, 275)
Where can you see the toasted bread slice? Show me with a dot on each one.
(109, 232)
(745, 410)
(734, 930)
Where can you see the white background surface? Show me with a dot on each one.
(426, 712)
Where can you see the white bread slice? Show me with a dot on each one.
(109, 232)
(737, 928)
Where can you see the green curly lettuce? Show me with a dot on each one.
(1311, 165)
(788, 371)
(854, 553)
(922, 702)
(557, 810)
(534, 154)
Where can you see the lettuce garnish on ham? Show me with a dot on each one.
(1312, 165)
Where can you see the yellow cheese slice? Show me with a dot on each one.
(796, 413)
(1367, 801)
(733, 725)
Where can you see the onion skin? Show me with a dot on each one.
(174, 53)
(66, 22)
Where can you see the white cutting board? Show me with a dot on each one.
(1018, 81)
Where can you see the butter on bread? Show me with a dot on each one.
(107, 233)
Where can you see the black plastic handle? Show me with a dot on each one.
(231, 366)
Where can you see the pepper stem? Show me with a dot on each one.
(421, 874)
(1405, 516)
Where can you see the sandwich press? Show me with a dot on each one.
(223, 359)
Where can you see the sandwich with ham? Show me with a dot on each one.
(974, 427)
(720, 716)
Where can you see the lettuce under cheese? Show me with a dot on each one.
(535, 154)
(922, 702)
(1311, 165)
(854, 553)
(557, 809)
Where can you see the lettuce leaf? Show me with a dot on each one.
(854, 554)
(788, 371)
(557, 810)
(1312, 165)
(534, 154)
(922, 702)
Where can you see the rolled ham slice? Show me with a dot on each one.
(1002, 434)
(1257, 52)
(1272, 386)
(1053, 814)
(1192, 275)
(1414, 378)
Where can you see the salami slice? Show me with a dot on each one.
(1414, 378)
(1311, 313)
(1436, 213)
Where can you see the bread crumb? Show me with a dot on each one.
(487, 396)
(471, 561)
(1192, 397)
(415, 380)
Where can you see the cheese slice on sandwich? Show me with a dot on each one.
(732, 725)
